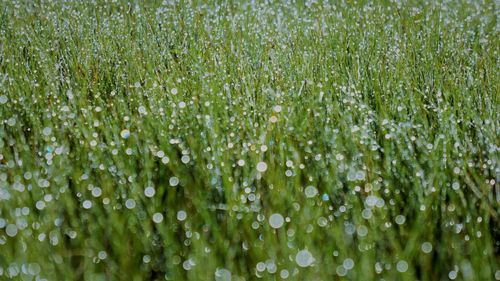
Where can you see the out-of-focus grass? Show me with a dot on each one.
(386, 110)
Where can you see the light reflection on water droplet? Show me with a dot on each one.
(222, 274)
(173, 181)
(310, 191)
(276, 220)
(402, 266)
(149, 191)
(261, 167)
(348, 263)
(125, 134)
(181, 215)
(87, 204)
(130, 203)
(304, 258)
(11, 230)
(3, 99)
(426, 247)
(157, 217)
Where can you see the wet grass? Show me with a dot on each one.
(238, 140)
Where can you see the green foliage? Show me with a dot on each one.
(131, 135)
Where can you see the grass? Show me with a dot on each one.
(245, 140)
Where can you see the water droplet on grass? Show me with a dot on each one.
(87, 204)
(348, 263)
(174, 181)
(341, 271)
(304, 258)
(310, 191)
(185, 159)
(181, 215)
(261, 167)
(149, 191)
(400, 219)
(130, 203)
(96, 192)
(222, 274)
(142, 110)
(11, 230)
(402, 266)
(157, 217)
(102, 255)
(276, 220)
(47, 131)
(426, 247)
(125, 134)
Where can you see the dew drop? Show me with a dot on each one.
(130, 203)
(149, 191)
(157, 217)
(402, 266)
(222, 274)
(304, 258)
(125, 134)
(142, 110)
(400, 219)
(348, 263)
(173, 181)
(261, 167)
(87, 204)
(181, 215)
(47, 131)
(310, 191)
(426, 247)
(284, 274)
(102, 255)
(11, 230)
(3, 99)
(276, 220)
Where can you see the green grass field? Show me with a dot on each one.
(249, 140)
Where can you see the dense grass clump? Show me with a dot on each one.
(246, 140)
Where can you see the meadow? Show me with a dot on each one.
(249, 140)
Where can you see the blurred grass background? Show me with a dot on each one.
(389, 109)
